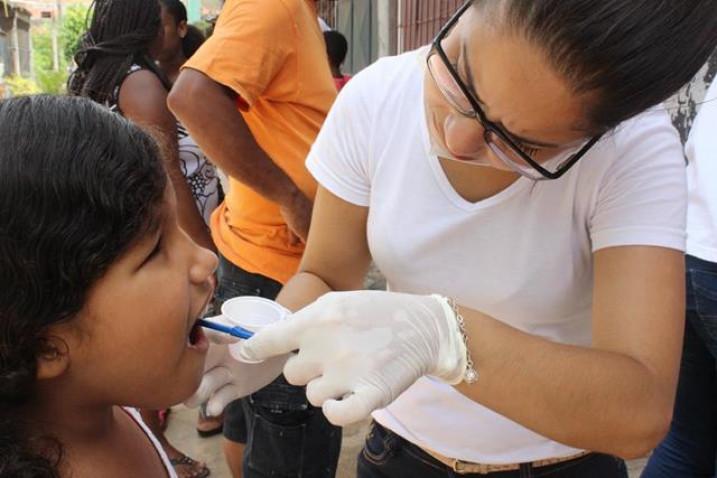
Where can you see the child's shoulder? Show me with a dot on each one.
(129, 449)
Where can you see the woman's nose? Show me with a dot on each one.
(204, 265)
(464, 136)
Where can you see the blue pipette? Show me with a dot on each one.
(235, 331)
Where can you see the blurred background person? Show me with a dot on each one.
(336, 49)
(254, 97)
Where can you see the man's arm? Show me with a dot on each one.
(208, 110)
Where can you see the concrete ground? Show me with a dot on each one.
(182, 434)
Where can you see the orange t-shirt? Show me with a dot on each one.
(272, 54)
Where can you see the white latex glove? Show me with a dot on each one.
(360, 350)
(225, 378)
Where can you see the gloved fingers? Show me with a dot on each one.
(223, 397)
(248, 378)
(325, 388)
(354, 407)
(277, 339)
(212, 381)
(299, 369)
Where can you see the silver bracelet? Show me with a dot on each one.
(470, 375)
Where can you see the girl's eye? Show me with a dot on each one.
(154, 253)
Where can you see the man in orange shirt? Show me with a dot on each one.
(254, 98)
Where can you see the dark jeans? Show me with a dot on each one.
(387, 455)
(285, 436)
(690, 446)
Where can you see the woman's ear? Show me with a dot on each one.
(53, 359)
(182, 29)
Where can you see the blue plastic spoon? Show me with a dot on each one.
(235, 331)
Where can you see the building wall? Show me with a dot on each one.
(15, 40)
(420, 21)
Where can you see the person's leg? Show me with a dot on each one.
(689, 448)
(287, 436)
(233, 281)
(235, 437)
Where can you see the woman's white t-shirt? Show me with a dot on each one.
(523, 256)
(702, 181)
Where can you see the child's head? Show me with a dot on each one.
(100, 288)
(336, 48)
(180, 38)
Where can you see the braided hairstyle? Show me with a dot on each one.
(120, 35)
(70, 205)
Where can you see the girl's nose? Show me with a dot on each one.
(204, 265)
(464, 136)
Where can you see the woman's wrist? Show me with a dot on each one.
(455, 346)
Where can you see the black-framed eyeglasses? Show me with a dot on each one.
(518, 157)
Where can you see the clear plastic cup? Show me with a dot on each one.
(252, 313)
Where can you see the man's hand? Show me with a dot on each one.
(297, 214)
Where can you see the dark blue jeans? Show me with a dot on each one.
(285, 436)
(689, 449)
(387, 455)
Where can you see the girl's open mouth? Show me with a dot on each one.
(196, 339)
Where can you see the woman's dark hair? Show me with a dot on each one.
(336, 47)
(120, 35)
(630, 54)
(71, 203)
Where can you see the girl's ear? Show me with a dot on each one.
(54, 358)
(182, 29)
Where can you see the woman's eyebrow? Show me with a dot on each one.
(471, 89)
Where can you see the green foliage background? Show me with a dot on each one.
(47, 80)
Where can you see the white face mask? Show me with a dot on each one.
(442, 152)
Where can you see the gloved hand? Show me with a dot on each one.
(358, 351)
(225, 378)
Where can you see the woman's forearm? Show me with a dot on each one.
(301, 290)
(582, 397)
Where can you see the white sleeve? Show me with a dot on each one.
(339, 158)
(643, 196)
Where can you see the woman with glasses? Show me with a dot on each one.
(525, 198)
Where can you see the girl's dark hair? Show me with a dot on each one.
(192, 41)
(630, 54)
(336, 47)
(194, 38)
(176, 8)
(119, 35)
(78, 186)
